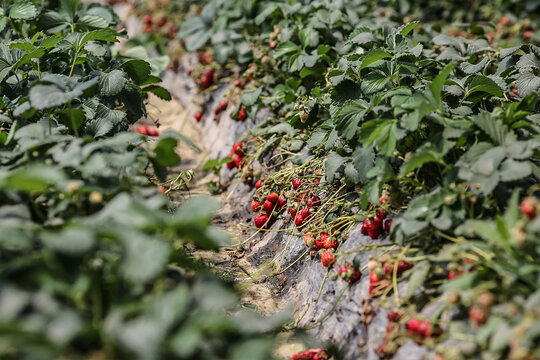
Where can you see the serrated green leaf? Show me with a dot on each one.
(437, 84)
(250, 97)
(331, 166)
(372, 56)
(159, 91)
(111, 83)
(23, 10)
(137, 70)
(48, 96)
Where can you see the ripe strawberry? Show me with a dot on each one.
(298, 220)
(282, 203)
(198, 116)
(382, 214)
(258, 184)
(424, 329)
(327, 258)
(527, 34)
(207, 58)
(147, 19)
(147, 28)
(231, 165)
(387, 225)
(373, 278)
(206, 82)
(305, 213)
(292, 211)
(161, 21)
(366, 225)
(505, 21)
(320, 240)
(515, 92)
(237, 148)
(374, 232)
(223, 105)
(528, 207)
(273, 45)
(189, 71)
(477, 316)
(273, 197)
(330, 243)
(237, 160)
(268, 207)
(255, 206)
(451, 275)
(143, 129)
(242, 115)
(404, 266)
(237, 83)
(296, 183)
(413, 325)
(393, 316)
(153, 132)
(261, 221)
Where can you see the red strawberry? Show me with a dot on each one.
(255, 206)
(413, 325)
(505, 21)
(528, 207)
(305, 213)
(366, 226)
(374, 232)
(383, 199)
(231, 165)
(404, 266)
(189, 71)
(373, 278)
(387, 225)
(393, 316)
(237, 83)
(382, 214)
(515, 92)
(258, 184)
(282, 203)
(237, 148)
(153, 132)
(273, 197)
(330, 243)
(206, 58)
(327, 258)
(147, 28)
(268, 207)
(161, 21)
(143, 129)
(527, 34)
(261, 221)
(298, 220)
(237, 160)
(198, 116)
(451, 275)
(424, 329)
(273, 45)
(147, 19)
(296, 183)
(477, 316)
(242, 115)
(292, 211)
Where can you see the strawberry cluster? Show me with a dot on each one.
(349, 273)
(380, 277)
(388, 347)
(272, 206)
(311, 354)
(159, 24)
(143, 129)
(237, 154)
(420, 330)
(374, 227)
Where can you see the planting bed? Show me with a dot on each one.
(354, 180)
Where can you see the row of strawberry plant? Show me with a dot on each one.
(95, 262)
(439, 131)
